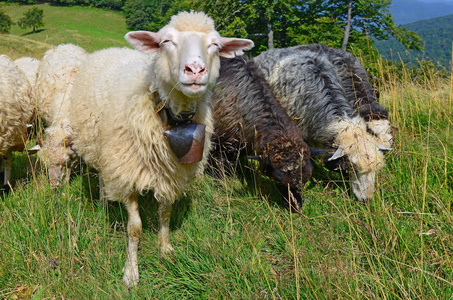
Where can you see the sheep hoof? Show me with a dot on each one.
(5, 190)
(167, 248)
(130, 275)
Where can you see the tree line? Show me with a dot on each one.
(346, 24)
(342, 24)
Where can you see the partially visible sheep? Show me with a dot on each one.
(29, 66)
(15, 113)
(248, 120)
(124, 100)
(309, 88)
(56, 75)
(359, 91)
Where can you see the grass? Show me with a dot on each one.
(91, 28)
(234, 241)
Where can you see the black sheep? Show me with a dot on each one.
(249, 120)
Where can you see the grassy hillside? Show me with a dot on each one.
(88, 27)
(234, 241)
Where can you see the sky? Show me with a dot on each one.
(437, 1)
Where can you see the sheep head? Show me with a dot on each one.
(57, 154)
(288, 163)
(363, 153)
(188, 51)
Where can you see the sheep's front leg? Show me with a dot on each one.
(164, 227)
(134, 230)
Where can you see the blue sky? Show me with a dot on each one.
(437, 1)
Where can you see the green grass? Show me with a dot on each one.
(90, 28)
(233, 241)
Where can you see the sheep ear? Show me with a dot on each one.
(145, 41)
(33, 149)
(339, 153)
(381, 147)
(231, 47)
(316, 151)
(256, 157)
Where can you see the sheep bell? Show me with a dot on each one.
(187, 141)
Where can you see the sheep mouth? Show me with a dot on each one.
(194, 86)
(292, 198)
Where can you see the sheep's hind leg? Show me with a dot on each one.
(7, 163)
(134, 230)
(164, 227)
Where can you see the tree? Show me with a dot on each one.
(5, 22)
(32, 18)
(371, 17)
(282, 23)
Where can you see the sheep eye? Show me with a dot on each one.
(216, 45)
(165, 42)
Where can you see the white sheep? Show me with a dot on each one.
(55, 78)
(29, 66)
(117, 106)
(15, 113)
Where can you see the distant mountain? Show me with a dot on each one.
(409, 11)
(437, 34)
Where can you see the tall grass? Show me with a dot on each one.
(234, 240)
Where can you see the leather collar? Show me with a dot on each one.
(167, 116)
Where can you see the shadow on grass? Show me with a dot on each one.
(31, 32)
(148, 206)
(252, 179)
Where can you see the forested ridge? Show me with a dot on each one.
(437, 35)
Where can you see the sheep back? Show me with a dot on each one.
(355, 80)
(55, 79)
(29, 66)
(310, 90)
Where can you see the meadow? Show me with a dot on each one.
(234, 240)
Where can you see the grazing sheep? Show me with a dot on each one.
(29, 66)
(55, 79)
(360, 93)
(123, 102)
(15, 113)
(248, 120)
(309, 88)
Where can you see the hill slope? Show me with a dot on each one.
(88, 27)
(437, 35)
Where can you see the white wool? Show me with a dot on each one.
(383, 131)
(16, 107)
(360, 147)
(16, 112)
(192, 21)
(29, 66)
(55, 79)
(124, 139)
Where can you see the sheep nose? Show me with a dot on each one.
(192, 69)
